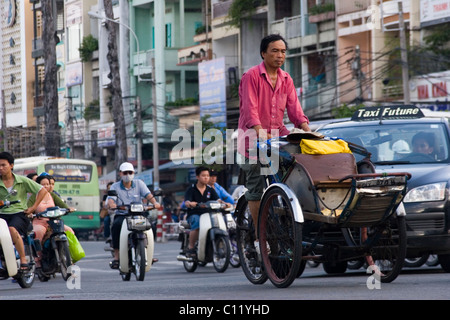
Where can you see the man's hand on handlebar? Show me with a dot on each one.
(190, 204)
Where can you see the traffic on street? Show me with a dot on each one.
(169, 281)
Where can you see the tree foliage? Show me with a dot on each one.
(88, 46)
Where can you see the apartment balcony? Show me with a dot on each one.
(38, 48)
(142, 63)
(194, 54)
(350, 6)
(299, 32)
(393, 92)
(221, 9)
(318, 100)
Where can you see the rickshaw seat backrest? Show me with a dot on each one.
(328, 168)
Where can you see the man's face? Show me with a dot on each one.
(5, 167)
(275, 54)
(422, 146)
(203, 177)
(212, 179)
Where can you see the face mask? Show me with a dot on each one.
(128, 177)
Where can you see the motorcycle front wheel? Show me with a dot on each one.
(140, 260)
(221, 256)
(65, 259)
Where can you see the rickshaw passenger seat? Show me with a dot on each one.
(328, 169)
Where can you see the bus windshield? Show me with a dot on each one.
(69, 172)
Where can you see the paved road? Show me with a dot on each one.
(168, 281)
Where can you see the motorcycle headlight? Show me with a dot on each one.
(137, 207)
(54, 213)
(215, 205)
(429, 192)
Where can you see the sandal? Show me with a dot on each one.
(154, 260)
(114, 264)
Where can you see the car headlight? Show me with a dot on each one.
(429, 192)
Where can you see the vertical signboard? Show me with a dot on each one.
(212, 91)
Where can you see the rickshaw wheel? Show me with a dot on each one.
(246, 237)
(389, 251)
(280, 238)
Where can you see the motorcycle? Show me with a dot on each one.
(231, 227)
(213, 244)
(55, 254)
(136, 241)
(9, 257)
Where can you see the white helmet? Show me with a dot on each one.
(401, 146)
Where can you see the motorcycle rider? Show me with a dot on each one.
(198, 192)
(221, 192)
(16, 215)
(40, 225)
(128, 190)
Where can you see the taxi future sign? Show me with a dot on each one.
(387, 112)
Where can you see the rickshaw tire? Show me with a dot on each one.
(399, 262)
(283, 263)
(245, 236)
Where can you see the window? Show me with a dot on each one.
(74, 42)
(168, 35)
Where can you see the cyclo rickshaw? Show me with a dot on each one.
(322, 207)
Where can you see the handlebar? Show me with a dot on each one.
(134, 207)
(7, 203)
(53, 212)
(214, 205)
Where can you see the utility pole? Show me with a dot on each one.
(139, 134)
(404, 55)
(356, 66)
(72, 136)
(5, 130)
(155, 131)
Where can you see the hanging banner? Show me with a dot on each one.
(212, 91)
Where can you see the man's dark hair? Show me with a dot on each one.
(7, 156)
(200, 170)
(427, 136)
(31, 175)
(267, 40)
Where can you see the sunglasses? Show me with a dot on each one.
(127, 172)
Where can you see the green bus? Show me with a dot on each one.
(76, 181)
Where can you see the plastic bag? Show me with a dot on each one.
(75, 248)
(324, 146)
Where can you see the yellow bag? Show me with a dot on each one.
(324, 146)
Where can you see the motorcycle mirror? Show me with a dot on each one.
(12, 193)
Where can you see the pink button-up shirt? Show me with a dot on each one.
(261, 104)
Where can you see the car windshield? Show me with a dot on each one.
(397, 143)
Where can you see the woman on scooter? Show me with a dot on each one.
(40, 225)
